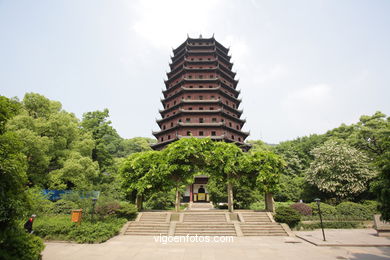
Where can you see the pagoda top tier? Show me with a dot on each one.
(200, 42)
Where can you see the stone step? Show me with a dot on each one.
(145, 234)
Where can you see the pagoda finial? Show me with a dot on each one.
(212, 36)
(200, 36)
(188, 36)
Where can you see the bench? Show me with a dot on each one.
(382, 227)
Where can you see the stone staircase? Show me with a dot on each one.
(149, 224)
(205, 229)
(206, 223)
(204, 217)
(260, 224)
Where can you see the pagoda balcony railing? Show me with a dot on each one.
(234, 110)
(215, 111)
(213, 137)
(216, 80)
(201, 124)
(183, 90)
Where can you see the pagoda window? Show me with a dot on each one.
(174, 102)
(210, 86)
(201, 108)
(174, 112)
(200, 59)
(190, 77)
(192, 58)
(230, 124)
(200, 67)
(209, 59)
(227, 102)
(179, 120)
(233, 137)
(188, 120)
(201, 120)
(171, 125)
(167, 105)
(211, 108)
(212, 97)
(200, 86)
(169, 137)
(222, 120)
(213, 133)
(162, 139)
(239, 139)
(214, 120)
(211, 76)
(191, 86)
(200, 76)
(200, 97)
(238, 128)
(190, 108)
(163, 127)
(188, 97)
(200, 133)
(188, 133)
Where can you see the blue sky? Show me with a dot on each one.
(304, 66)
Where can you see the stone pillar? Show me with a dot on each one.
(269, 202)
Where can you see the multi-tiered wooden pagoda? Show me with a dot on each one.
(201, 96)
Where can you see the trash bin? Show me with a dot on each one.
(76, 215)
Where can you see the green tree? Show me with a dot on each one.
(134, 145)
(225, 166)
(182, 159)
(105, 136)
(340, 169)
(142, 174)
(50, 137)
(14, 203)
(266, 168)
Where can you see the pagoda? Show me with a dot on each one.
(201, 96)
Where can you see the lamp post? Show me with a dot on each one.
(93, 207)
(319, 212)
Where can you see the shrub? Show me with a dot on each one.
(127, 210)
(160, 200)
(59, 227)
(303, 209)
(63, 207)
(259, 205)
(334, 225)
(287, 215)
(326, 209)
(98, 232)
(371, 206)
(16, 244)
(107, 208)
(355, 210)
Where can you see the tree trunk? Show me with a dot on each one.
(177, 204)
(230, 197)
(269, 202)
(138, 202)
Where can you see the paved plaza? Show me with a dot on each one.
(145, 247)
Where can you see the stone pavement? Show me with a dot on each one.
(348, 237)
(144, 248)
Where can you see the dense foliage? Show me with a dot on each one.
(15, 243)
(287, 215)
(60, 227)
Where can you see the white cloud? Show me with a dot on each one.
(315, 94)
(166, 23)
